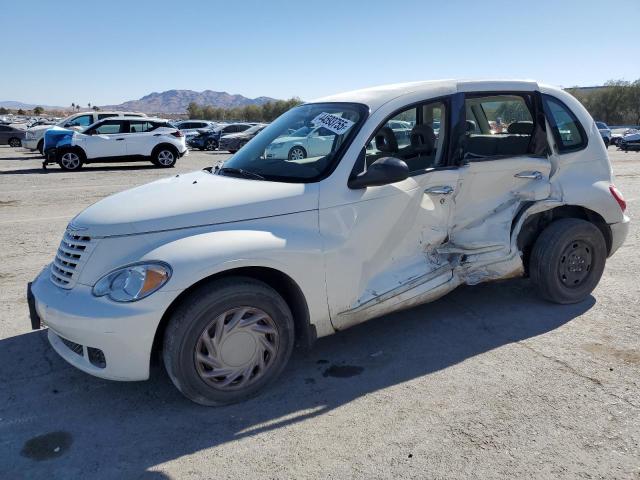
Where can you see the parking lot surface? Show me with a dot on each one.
(488, 381)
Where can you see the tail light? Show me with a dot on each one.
(177, 133)
(617, 194)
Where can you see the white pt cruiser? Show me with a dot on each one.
(495, 180)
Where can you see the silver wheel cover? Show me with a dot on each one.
(297, 154)
(165, 157)
(236, 348)
(70, 160)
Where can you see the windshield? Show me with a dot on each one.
(254, 129)
(299, 146)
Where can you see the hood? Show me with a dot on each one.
(287, 139)
(54, 135)
(39, 128)
(191, 200)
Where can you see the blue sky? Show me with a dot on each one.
(108, 52)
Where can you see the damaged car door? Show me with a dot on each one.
(503, 154)
(381, 247)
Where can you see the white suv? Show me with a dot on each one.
(116, 139)
(223, 270)
(35, 135)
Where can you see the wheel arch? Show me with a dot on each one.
(305, 332)
(172, 147)
(534, 223)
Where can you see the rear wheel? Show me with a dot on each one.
(567, 260)
(15, 142)
(228, 340)
(70, 160)
(210, 145)
(165, 157)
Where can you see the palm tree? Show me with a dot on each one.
(73, 106)
(89, 105)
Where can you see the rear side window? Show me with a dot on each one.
(106, 115)
(109, 127)
(567, 130)
(498, 125)
(141, 126)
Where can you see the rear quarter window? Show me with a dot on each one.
(567, 130)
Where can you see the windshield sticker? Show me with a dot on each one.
(334, 123)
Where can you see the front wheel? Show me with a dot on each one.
(210, 145)
(567, 260)
(70, 161)
(297, 153)
(228, 340)
(165, 157)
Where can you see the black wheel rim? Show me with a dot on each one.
(576, 263)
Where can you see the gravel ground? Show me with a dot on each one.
(488, 382)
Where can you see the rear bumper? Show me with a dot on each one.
(619, 232)
(80, 323)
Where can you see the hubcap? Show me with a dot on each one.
(575, 263)
(70, 160)
(165, 157)
(297, 154)
(236, 348)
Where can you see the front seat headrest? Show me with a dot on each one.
(523, 127)
(386, 140)
(423, 139)
(471, 126)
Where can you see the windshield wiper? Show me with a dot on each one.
(240, 172)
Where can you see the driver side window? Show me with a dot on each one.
(415, 135)
(82, 121)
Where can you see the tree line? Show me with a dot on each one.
(266, 112)
(616, 103)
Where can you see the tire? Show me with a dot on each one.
(15, 142)
(606, 143)
(232, 151)
(164, 156)
(567, 260)
(70, 160)
(191, 361)
(210, 145)
(297, 153)
(40, 147)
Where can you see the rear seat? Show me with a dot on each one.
(514, 142)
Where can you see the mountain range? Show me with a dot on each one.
(171, 101)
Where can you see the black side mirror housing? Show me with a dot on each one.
(383, 171)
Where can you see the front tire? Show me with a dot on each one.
(71, 160)
(567, 260)
(227, 341)
(297, 153)
(15, 142)
(210, 145)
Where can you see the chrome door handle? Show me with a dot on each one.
(535, 175)
(440, 190)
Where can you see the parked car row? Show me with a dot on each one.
(115, 139)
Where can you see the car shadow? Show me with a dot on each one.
(121, 430)
(86, 169)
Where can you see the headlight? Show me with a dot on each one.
(133, 283)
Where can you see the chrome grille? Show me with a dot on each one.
(72, 253)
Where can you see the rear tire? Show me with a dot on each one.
(297, 153)
(567, 260)
(164, 156)
(228, 340)
(210, 145)
(15, 142)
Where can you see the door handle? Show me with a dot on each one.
(440, 190)
(535, 175)
(157, 134)
(119, 139)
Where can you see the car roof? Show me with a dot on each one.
(375, 97)
(142, 119)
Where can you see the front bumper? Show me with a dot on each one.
(80, 324)
(31, 144)
(619, 233)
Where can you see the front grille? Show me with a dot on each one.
(74, 347)
(72, 253)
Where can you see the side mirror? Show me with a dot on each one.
(383, 171)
